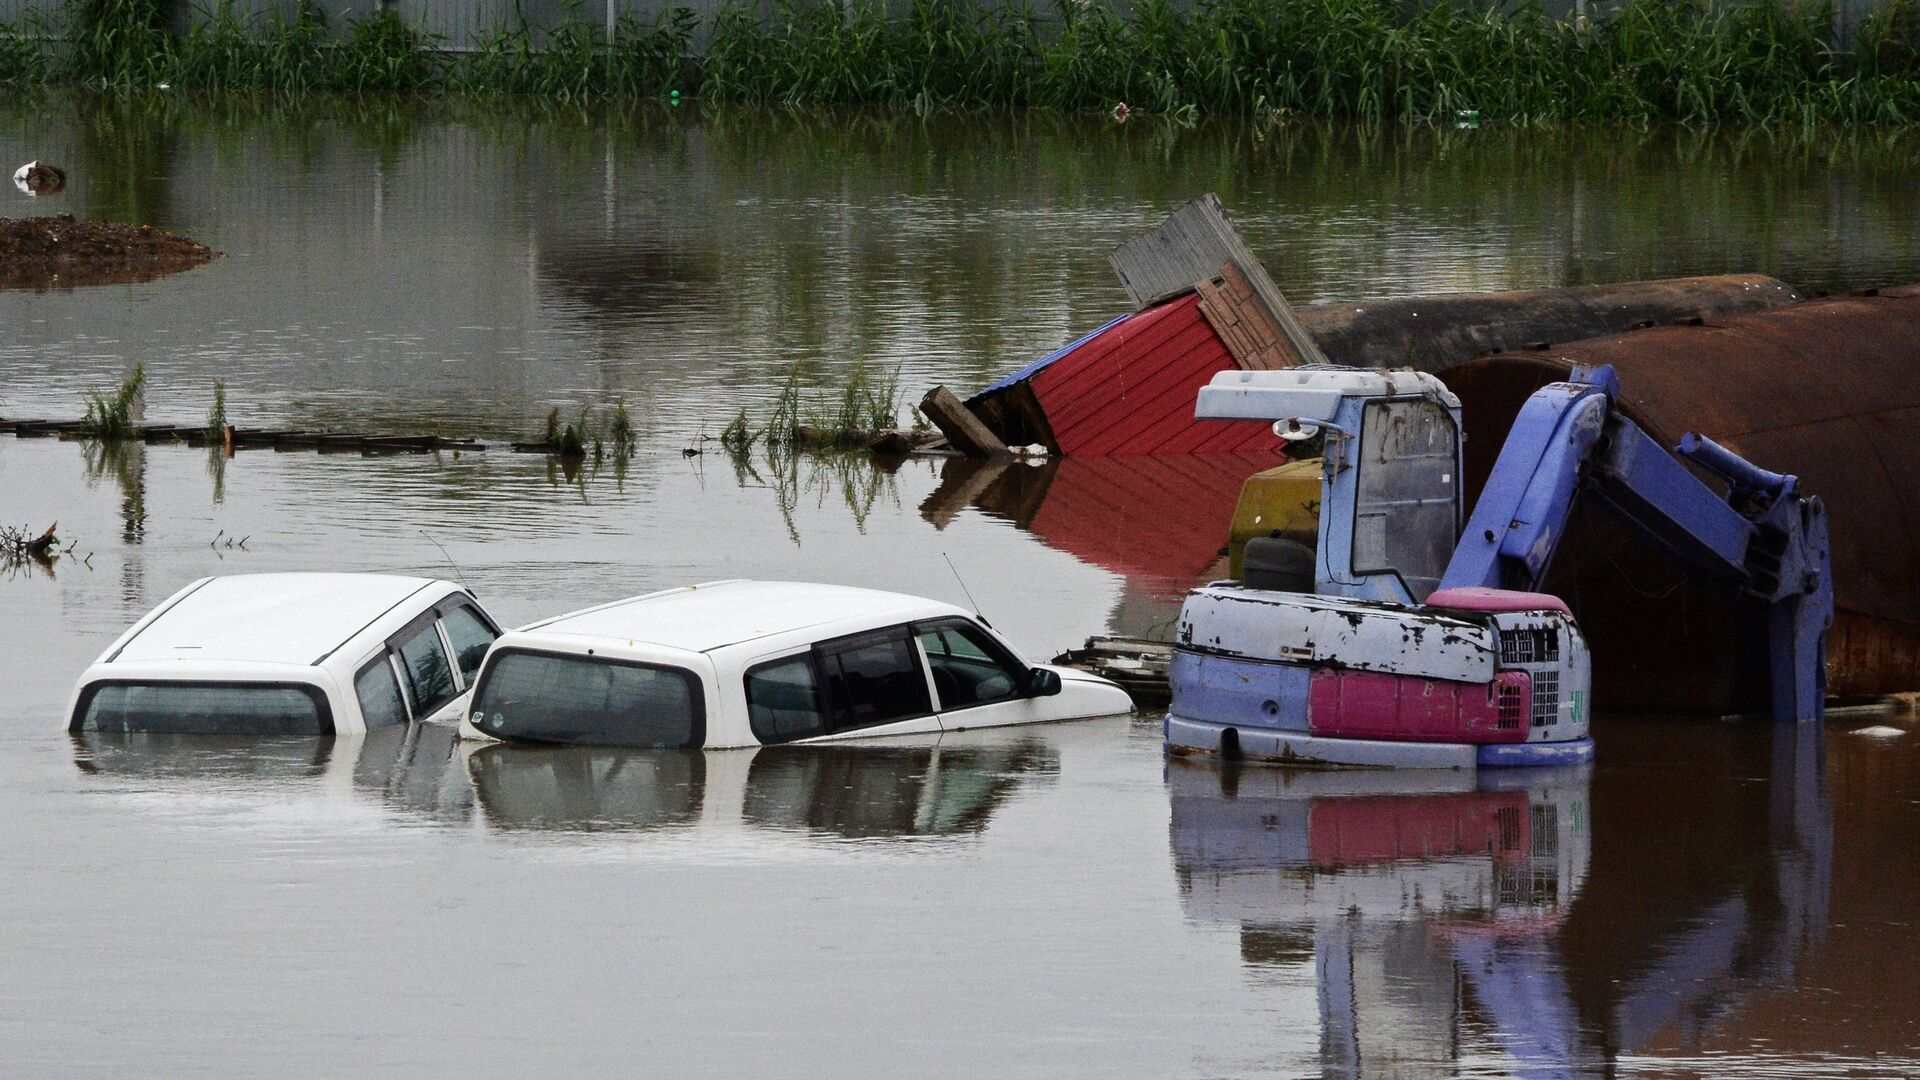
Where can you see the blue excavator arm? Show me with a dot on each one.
(1761, 537)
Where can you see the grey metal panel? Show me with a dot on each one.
(14, 11)
(1193, 245)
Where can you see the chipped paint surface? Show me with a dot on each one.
(1230, 620)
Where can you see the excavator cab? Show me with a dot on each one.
(1374, 512)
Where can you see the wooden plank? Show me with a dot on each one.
(963, 429)
(158, 433)
(401, 442)
(196, 435)
(1257, 341)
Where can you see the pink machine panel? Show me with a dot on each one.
(1375, 705)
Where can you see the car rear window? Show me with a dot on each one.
(551, 698)
(192, 708)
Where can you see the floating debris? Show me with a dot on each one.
(1137, 665)
(20, 543)
(249, 438)
(62, 252)
(38, 178)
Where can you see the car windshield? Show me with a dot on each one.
(204, 709)
(544, 697)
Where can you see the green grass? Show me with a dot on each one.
(110, 414)
(217, 414)
(585, 435)
(1696, 61)
(864, 407)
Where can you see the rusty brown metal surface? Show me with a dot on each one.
(1827, 390)
(1432, 333)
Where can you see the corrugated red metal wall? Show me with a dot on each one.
(1131, 390)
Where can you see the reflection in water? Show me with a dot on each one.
(215, 758)
(217, 472)
(883, 791)
(534, 255)
(1554, 920)
(587, 788)
(411, 768)
(1160, 523)
(1422, 900)
(125, 461)
(847, 791)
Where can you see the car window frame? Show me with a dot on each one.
(845, 643)
(445, 606)
(804, 653)
(429, 617)
(995, 649)
(816, 653)
(391, 660)
(322, 701)
(697, 694)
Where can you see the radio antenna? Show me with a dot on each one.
(457, 575)
(963, 588)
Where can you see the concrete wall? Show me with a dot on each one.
(459, 23)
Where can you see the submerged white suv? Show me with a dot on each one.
(290, 654)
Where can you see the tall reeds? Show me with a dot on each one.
(110, 413)
(1644, 60)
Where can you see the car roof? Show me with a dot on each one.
(269, 618)
(701, 618)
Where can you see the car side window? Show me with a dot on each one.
(968, 668)
(424, 659)
(378, 689)
(873, 679)
(471, 637)
(783, 700)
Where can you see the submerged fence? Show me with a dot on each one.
(1641, 60)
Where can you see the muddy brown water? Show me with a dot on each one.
(1709, 899)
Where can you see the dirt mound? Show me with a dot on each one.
(61, 253)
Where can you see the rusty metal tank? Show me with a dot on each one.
(1434, 332)
(1828, 390)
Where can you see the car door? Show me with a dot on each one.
(977, 681)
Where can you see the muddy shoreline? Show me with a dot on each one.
(63, 252)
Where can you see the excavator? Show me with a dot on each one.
(1371, 626)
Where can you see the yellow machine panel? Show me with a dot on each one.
(1282, 502)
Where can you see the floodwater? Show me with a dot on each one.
(1709, 899)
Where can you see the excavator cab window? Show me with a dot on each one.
(1407, 511)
